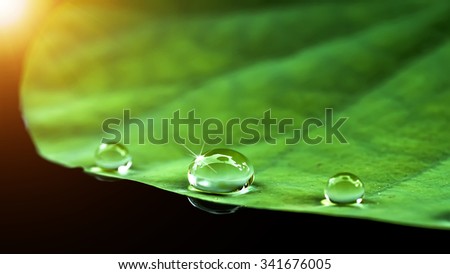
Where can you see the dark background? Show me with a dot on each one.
(45, 208)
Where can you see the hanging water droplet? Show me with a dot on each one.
(221, 171)
(344, 188)
(113, 157)
(213, 208)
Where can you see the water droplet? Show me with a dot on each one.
(113, 157)
(213, 208)
(221, 171)
(344, 188)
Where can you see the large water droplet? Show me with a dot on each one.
(113, 157)
(344, 188)
(213, 208)
(221, 171)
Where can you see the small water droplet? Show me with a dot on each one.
(344, 188)
(221, 171)
(213, 208)
(113, 157)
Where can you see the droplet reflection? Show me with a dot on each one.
(213, 208)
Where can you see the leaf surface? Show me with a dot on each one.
(383, 65)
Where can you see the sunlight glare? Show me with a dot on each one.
(11, 11)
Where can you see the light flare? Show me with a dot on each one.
(12, 11)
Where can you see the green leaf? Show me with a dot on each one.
(383, 64)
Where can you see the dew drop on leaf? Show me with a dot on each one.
(344, 188)
(113, 157)
(221, 171)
